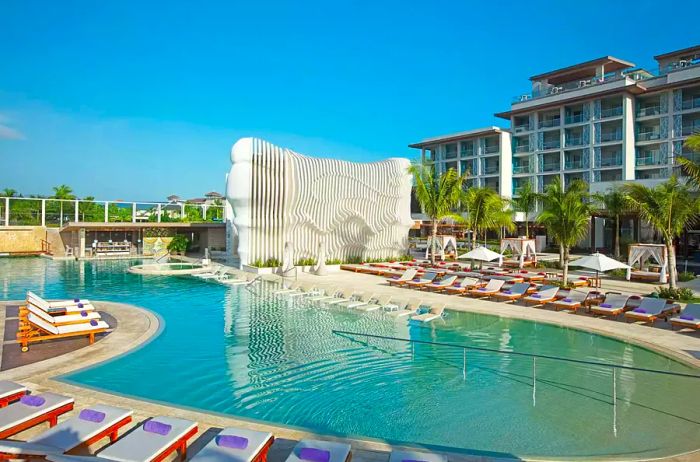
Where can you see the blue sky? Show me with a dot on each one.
(139, 100)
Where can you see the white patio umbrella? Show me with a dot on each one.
(599, 263)
(482, 254)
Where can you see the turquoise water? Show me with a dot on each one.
(226, 350)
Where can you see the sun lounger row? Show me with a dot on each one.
(151, 441)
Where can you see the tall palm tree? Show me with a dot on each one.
(438, 195)
(8, 192)
(485, 211)
(64, 192)
(614, 205)
(566, 215)
(689, 166)
(669, 208)
(525, 203)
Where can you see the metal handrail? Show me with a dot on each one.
(517, 353)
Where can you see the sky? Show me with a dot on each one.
(139, 100)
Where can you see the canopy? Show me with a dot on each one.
(442, 243)
(639, 253)
(482, 254)
(599, 262)
(521, 247)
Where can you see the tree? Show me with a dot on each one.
(525, 203)
(438, 195)
(669, 208)
(63, 192)
(614, 205)
(8, 192)
(566, 214)
(485, 211)
(690, 167)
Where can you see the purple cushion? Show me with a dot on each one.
(687, 317)
(93, 323)
(83, 313)
(76, 300)
(32, 400)
(606, 305)
(153, 426)
(483, 289)
(567, 300)
(507, 292)
(639, 310)
(80, 305)
(232, 441)
(91, 415)
(536, 296)
(314, 455)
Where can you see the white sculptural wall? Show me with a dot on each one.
(279, 196)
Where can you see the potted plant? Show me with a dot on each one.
(179, 244)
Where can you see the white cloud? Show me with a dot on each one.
(7, 132)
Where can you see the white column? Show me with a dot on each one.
(133, 212)
(204, 212)
(628, 138)
(106, 212)
(182, 210)
(43, 212)
(77, 215)
(81, 251)
(7, 211)
(159, 212)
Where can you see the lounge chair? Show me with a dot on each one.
(375, 304)
(515, 292)
(529, 276)
(645, 276)
(67, 307)
(32, 410)
(689, 317)
(434, 312)
(363, 299)
(340, 296)
(508, 278)
(402, 309)
(153, 441)
(59, 320)
(444, 283)
(236, 445)
(493, 286)
(613, 305)
(10, 392)
(215, 274)
(649, 310)
(579, 281)
(545, 295)
(292, 288)
(403, 456)
(408, 275)
(306, 290)
(314, 450)
(573, 301)
(426, 279)
(88, 427)
(323, 294)
(463, 286)
(35, 329)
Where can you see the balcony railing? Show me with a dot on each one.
(574, 141)
(648, 111)
(569, 86)
(688, 130)
(522, 128)
(691, 103)
(649, 158)
(575, 119)
(490, 149)
(648, 135)
(610, 112)
(547, 123)
(522, 169)
(490, 169)
(550, 166)
(611, 136)
(573, 164)
(466, 152)
(551, 144)
(611, 161)
(522, 148)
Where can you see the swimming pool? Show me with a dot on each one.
(226, 350)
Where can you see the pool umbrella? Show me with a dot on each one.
(600, 263)
(482, 254)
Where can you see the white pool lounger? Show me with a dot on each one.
(89, 426)
(405, 456)
(306, 450)
(236, 445)
(10, 391)
(32, 410)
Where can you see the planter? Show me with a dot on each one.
(256, 270)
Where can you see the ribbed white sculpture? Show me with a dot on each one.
(279, 196)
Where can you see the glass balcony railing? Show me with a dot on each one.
(550, 166)
(548, 90)
(490, 169)
(610, 112)
(551, 144)
(615, 135)
(490, 149)
(691, 103)
(648, 135)
(522, 148)
(573, 164)
(574, 141)
(649, 159)
(466, 152)
(522, 128)
(648, 111)
(525, 168)
(614, 160)
(688, 130)
(575, 119)
(650, 175)
(547, 123)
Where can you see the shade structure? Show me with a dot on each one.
(599, 262)
(482, 254)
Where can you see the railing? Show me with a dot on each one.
(569, 86)
(575, 119)
(523, 128)
(550, 123)
(550, 166)
(610, 112)
(611, 136)
(648, 135)
(522, 169)
(490, 149)
(648, 111)
(490, 170)
(551, 144)
(522, 148)
(691, 103)
(573, 164)
(611, 161)
(688, 130)
(46, 247)
(466, 152)
(574, 141)
(649, 159)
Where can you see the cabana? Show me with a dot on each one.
(442, 242)
(640, 253)
(523, 249)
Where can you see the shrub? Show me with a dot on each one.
(306, 262)
(179, 244)
(680, 293)
(618, 273)
(354, 260)
(548, 264)
(686, 276)
(272, 263)
(334, 261)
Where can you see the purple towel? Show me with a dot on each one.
(605, 305)
(687, 317)
(83, 313)
(91, 415)
(507, 292)
(232, 441)
(76, 300)
(32, 400)
(314, 455)
(639, 310)
(536, 296)
(153, 426)
(483, 289)
(567, 300)
(93, 323)
(80, 305)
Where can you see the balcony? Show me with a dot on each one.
(522, 148)
(548, 123)
(569, 86)
(490, 169)
(690, 103)
(648, 111)
(649, 158)
(688, 130)
(492, 149)
(648, 135)
(575, 119)
(522, 128)
(614, 160)
(573, 164)
(615, 135)
(550, 167)
(574, 141)
(522, 169)
(610, 112)
(551, 144)
(467, 152)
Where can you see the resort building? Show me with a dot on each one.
(289, 207)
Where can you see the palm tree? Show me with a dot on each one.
(669, 208)
(566, 215)
(485, 211)
(8, 192)
(438, 195)
(614, 205)
(64, 192)
(689, 166)
(525, 203)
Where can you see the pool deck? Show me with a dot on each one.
(136, 326)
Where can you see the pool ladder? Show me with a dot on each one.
(249, 286)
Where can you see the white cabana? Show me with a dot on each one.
(599, 263)
(639, 254)
(522, 248)
(482, 254)
(442, 242)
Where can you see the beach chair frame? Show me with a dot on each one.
(51, 417)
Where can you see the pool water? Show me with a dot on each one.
(257, 356)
